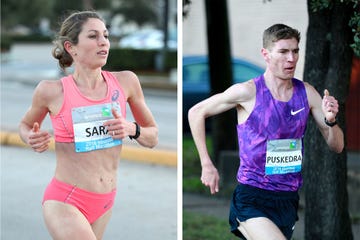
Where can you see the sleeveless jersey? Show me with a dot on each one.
(271, 140)
(83, 109)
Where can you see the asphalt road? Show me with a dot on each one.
(145, 206)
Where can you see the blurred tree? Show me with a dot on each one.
(220, 69)
(186, 7)
(61, 8)
(138, 11)
(327, 65)
(27, 13)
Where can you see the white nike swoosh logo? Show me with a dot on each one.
(296, 112)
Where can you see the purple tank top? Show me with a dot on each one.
(270, 121)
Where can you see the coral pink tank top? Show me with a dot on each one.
(74, 101)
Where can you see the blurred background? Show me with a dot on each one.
(138, 24)
(240, 27)
(143, 37)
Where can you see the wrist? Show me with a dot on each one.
(137, 132)
(330, 123)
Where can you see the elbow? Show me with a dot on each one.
(154, 139)
(154, 143)
(339, 148)
(193, 113)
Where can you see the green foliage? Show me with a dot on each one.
(5, 43)
(194, 185)
(31, 38)
(27, 12)
(354, 23)
(192, 166)
(318, 5)
(139, 11)
(134, 59)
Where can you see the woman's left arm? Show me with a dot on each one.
(135, 97)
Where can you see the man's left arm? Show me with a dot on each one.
(324, 111)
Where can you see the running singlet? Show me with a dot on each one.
(271, 140)
(80, 119)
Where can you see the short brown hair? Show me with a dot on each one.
(277, 32)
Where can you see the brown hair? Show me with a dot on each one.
(277, 32)
(69, 31)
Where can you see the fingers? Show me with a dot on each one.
(214, 186)
(36, 127)
(211, 181)
(39, 140)
(330, 106)
(329, 102)
(115, 113)
(326, 93)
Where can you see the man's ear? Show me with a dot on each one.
(266, 54)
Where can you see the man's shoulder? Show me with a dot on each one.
(243, 91)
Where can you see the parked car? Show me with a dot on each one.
(148, 39)
(196, 81)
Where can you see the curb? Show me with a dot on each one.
(137, 154)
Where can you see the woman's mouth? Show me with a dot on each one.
(103, 53)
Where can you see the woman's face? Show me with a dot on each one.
(93, 46)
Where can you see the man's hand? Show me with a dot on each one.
(38, 140)
(330, 106)
(210, 178)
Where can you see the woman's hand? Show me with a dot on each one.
(118, 127)
(37, 139)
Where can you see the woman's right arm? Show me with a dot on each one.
(29, 128)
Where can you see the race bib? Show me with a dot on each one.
(283, 156)
(89, 132)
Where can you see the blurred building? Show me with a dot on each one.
(247, 21)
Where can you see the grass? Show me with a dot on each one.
(201, 227)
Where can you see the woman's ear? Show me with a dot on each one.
(69, 48)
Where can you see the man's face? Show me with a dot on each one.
(282, 57)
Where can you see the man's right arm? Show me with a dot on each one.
(211, 106)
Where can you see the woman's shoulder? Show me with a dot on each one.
(49, 89)
(125, 75)
(126, 78)
(129, 82)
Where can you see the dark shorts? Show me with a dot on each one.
(250, 202)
